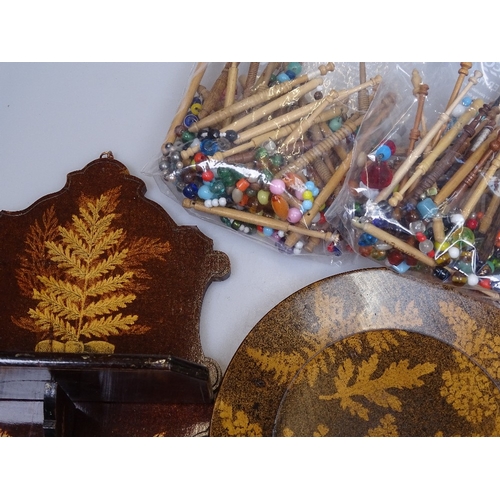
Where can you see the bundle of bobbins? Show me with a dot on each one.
(265, 151)
(434, 206)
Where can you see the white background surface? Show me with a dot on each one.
(57, 117)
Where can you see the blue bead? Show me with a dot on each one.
(267, 231)
(427, 208)
(189, 119)
(401, 268)
(290, 74)
(283, 77)
(366, 240)
(204, 192)
(307, 205)
(383, 153)
(310, 185)
(209, 147)
(190, 190)
(467, 101)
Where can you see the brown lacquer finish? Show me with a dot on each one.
(104, 298)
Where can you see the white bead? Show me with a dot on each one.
(222, 202)
(299, 245)
(297, 251)
(281, 234)
(457, 219)
(472, 280)
(454, 252)
(208, 203)
(215, 202)
(458, 111)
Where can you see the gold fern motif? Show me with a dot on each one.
(4, 434)
(475, 341)
(468, 391)
(396, 376)
(93, 274)
(386, 428)
(237, 425)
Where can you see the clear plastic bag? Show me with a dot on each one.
(268, 155)
(421, 195)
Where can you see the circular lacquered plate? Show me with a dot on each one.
(366, 353)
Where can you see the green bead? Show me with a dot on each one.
(236, 224)
(187, 136)
(263, 197)
(277, 160)
(251, 193)
(335, 123)
(295, 67)
(226, 221)
(261, 153)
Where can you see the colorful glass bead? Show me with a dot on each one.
(205, 193)
(207, 176)
(280, 206)
(441, 273)
(294, 215)
(377, 176)
(335, 124)
(277, 186)
(383, 153)
(231, 135)
(189, 120)
(190, 190)
(263, 197)
(296, 67)
(209, 147)
(395, 257)
(427, 208)
(195, 108)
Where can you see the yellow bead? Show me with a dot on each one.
(196, 108)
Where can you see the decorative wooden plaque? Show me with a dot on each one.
(102, 298)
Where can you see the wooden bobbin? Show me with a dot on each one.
(450, 155)
(462, 73)
(421, 93)
(414, 155)
(323, 147)
(388, 238)
(258, 220)
(488, 216)
(251, 78)
(199, 71)
(232, 81)
(363, 99)
(214, 97)
(259, 98)
(332, 97)
(481, 155)
(480, 187)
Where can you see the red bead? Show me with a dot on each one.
(411, 261)
(431, 254)
(472, 223)
(199, 157)
(365, 251)
(207, 175)
(485, 283)
(377, 176)
(395, 257)
(420, 236)
(391, 146)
